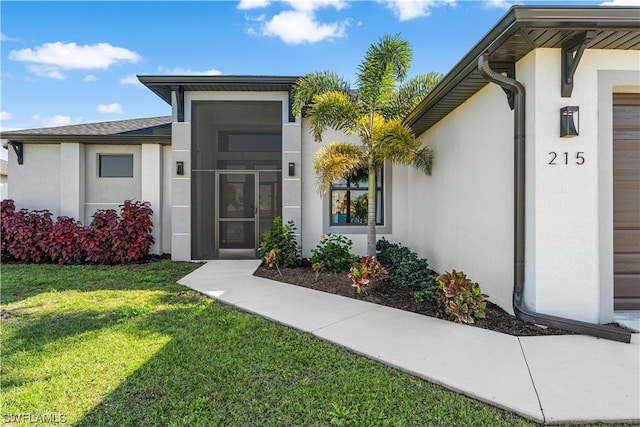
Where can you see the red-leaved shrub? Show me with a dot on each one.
(25, 235)
(109, 239)
(65, 241)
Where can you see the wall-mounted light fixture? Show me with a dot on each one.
(179, 168)
(569, 122)
(292, 169)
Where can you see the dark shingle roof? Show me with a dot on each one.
(144, 126)
(120, 131)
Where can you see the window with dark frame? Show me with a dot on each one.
(349, 200)
(115, 165)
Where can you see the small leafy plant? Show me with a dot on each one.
(281, 239)
(333, 253)
(317, 268)
(407, 269)
(460, 298)
(271, 259)
(359, 275)
(362, 270)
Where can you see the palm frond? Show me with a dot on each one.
(423, 160)
(313, 84)
(394, 142)
(333, 110)
(384, 64)
(410, 94)
(335, 161)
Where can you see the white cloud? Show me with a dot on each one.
(50, 58)
(295, 27)
(52, 121)
(5, 38)
(4, 115)
(498, 4)
(90, 78)
(407, 10)
(252, 4)
(299, 24)
(621, 3)
(301, 5)
(46, 71)
(312, 5)
(130, 80)
(114, 108)
(179, 71)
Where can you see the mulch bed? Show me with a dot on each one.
(394, 296)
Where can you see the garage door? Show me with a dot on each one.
(626, 200)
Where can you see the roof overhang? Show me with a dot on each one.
(164, 85)
(520, 31)
(86, 139)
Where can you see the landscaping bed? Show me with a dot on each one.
(390, 295)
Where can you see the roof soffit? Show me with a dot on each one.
(520, 31)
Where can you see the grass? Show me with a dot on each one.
(127, 346)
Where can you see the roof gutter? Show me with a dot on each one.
(521, 312)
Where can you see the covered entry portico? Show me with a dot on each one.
(231, 136)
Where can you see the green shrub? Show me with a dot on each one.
(390, 255)
(279, 244)
(460, 298)
(407, 269)
(333, 253)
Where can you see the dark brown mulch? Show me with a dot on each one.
(394, 296)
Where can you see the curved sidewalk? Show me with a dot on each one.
(552, 379)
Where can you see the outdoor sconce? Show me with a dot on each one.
(292, 169)
(179, 168)
(569, 122)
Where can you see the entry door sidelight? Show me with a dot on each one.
(237, 209)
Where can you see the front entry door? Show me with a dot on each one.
(236, 215)
(246, 205)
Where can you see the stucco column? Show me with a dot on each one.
(72, 180)
(181, 192)
(292, 185)
(151, 191)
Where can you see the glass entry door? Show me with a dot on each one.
(237, 209)
(246, 204)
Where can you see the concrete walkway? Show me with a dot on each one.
(552, 379)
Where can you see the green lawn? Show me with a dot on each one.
(125, 346)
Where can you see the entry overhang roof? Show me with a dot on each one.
(163, 85)
(520, 31)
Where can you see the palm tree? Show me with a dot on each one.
(374, 111)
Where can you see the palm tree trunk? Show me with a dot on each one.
(371, 210)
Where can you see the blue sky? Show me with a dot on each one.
(75, 62)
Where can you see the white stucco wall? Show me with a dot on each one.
(35, 184)
(4, 187)
(565, 223)
(63, 178)
(109, 193)
(461, 217)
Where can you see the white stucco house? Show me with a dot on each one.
(4, 179)
(535, 191)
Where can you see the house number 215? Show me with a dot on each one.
(564, 158)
